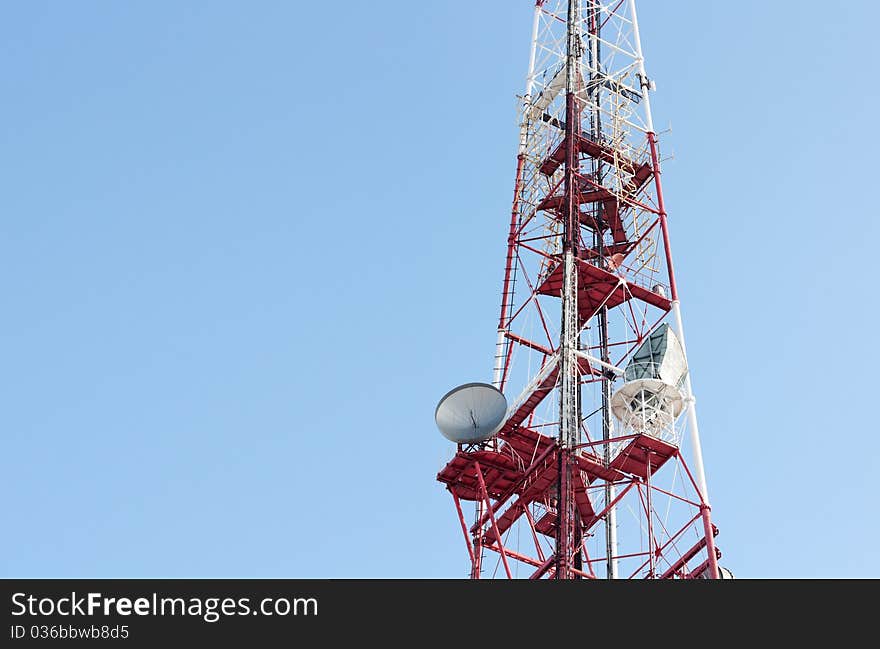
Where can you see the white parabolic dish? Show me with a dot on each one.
(471, 413)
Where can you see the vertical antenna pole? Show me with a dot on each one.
(602, 317)
(569, 373)
(691, 404)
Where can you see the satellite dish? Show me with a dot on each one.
(471, 413)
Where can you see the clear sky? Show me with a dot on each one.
(246, 246)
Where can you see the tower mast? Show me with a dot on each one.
(584, 439)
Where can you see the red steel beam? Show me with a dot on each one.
(513, 555)
(511, 242)
(661, 207)
(528, 343)
(543, 568)
(492, 517)
(682, 561)
(464, 530)
(535, 538)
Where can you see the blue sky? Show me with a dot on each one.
(245, 247)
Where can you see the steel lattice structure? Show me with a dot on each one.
(564, 489)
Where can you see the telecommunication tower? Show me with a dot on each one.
(592, 468)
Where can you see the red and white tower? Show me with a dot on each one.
(589, 465)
